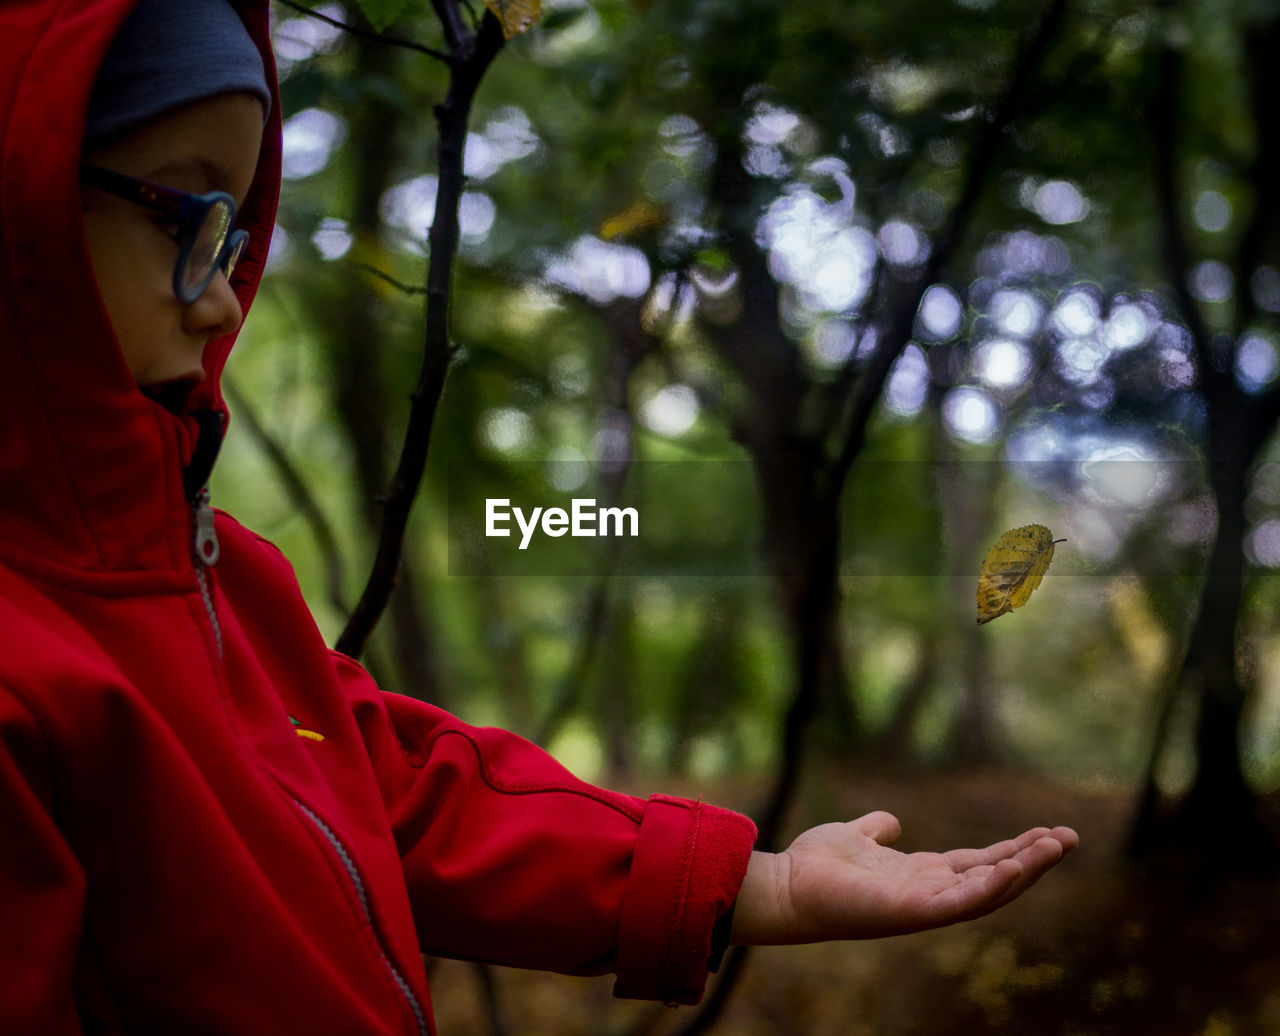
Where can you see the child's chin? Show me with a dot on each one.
(172, 395)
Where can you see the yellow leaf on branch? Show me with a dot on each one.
(1013, 569)
(516, 16)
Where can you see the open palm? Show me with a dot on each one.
(845, 881)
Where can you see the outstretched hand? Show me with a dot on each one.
(844, 881)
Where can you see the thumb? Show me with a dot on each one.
(882, 827)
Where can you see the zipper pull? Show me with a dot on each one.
(207, 548)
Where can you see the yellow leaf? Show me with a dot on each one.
(516, 16)
(636, 218)
(1013, 569)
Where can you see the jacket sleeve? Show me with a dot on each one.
(42, 885)
(511, 859)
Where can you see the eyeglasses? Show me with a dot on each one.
(206, 242)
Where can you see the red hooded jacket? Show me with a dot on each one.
(174, 857)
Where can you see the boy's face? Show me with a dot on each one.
(208, 145)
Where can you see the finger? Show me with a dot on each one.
(962, 860)
(1034, 862)
(1066, 837)
(1042, 854)
(881, 826)
(989, 886)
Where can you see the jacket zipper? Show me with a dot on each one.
(206, 556)
(349, 865)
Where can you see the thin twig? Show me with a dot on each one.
(369, 34)
(408, 289)
(475, 56)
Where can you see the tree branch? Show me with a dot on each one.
(459, 38)
(408, 289)
(468, 68)
(897, 332)
(368, 34)
(1261, 240)
(1177, 253)
(1260, 236)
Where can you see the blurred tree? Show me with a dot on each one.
(1226, 326)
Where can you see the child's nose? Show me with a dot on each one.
(216, 312)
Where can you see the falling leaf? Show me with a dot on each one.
(516, 16)
(1013, 569)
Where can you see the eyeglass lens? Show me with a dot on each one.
(233, 253)
(206, 248)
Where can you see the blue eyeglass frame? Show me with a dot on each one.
(189, 212)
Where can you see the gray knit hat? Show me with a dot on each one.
(169, 53)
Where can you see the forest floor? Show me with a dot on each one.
(1101, 946)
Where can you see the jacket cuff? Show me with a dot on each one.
(689, 863)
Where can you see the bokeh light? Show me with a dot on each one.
(970, 415)
(310, 138)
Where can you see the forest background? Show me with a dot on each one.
(832, 293)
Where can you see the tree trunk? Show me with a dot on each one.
(802, 534)
(1220, 808)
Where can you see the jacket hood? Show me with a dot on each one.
(92, 471)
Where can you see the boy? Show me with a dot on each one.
(209, 822)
